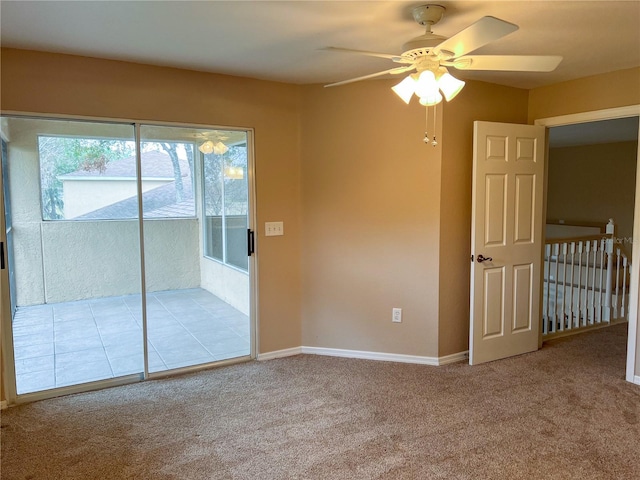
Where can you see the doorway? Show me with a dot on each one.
(611, 114)
(112, 278)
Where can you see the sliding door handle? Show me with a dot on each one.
(1, 255)
(250, 242)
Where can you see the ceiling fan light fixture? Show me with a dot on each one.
(220, 148)
(206, 147)
(426, 86)
(450, 85)
(431, 99)
(405, 89)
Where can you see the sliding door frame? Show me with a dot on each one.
(7, 373)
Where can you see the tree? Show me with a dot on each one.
(63, 155)
(172, 150)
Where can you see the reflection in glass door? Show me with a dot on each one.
(73, 199)
(197, 306)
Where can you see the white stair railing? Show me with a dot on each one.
(585, 282)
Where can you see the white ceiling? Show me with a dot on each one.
(283, 40)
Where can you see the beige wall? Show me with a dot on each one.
(79, 86)
(610, 90)
(377, 211)
(370, 224)
(592, 183)
(478, 101)
(387, 218)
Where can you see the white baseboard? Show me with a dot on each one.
(385, 357)
(454, 358)
(287, 352)
(3, 404)
(636, 379)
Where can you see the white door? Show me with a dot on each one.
(506, 240)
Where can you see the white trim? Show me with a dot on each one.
(287, 352)
(454, 358)
(386, 357)
(3, 404)
(633, 344)
(636, 379)
(365, 355)
(608, 114)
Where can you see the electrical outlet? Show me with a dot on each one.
(396, 315)
(272, 229)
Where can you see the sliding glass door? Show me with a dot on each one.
(94, 303)
(197, 308)
(76, 252)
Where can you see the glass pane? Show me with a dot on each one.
(77, 284)
(236, 205)
(196, 312)
(168, 179)
(213, 204)
(83, 177)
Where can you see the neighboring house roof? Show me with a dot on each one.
(155, 164)
(159, 202)
(156, 203)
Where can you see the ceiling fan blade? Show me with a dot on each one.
(395, 58)
(507, 63)
(395, 70)
(484, 31)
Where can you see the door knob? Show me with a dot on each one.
(481, 259)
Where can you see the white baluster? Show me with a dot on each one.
(563, 313)
(617, 304)
(609, 285)
(546, 290)
(625, 264)
(571, 306)
(601, 283)
(585, 309)
(579, 303)
(592, 299)
(555, 250)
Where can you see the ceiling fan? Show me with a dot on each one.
(431, 55)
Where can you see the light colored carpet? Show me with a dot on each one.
(563, 412)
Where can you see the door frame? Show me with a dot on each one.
(633, 343)
(7, 368)
(7, 365)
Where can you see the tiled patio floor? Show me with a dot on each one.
(64, 344)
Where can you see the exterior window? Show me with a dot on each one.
(95, 179)
(226, 205)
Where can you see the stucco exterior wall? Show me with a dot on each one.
(83, 195)
(58, 261)
(227, 283)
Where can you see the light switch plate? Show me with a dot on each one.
(272, 229)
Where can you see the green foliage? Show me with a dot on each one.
(63, 155)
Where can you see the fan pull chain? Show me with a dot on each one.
(426, 135)
(435, 142)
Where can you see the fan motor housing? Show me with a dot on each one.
(422, 45)
(427, 15)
